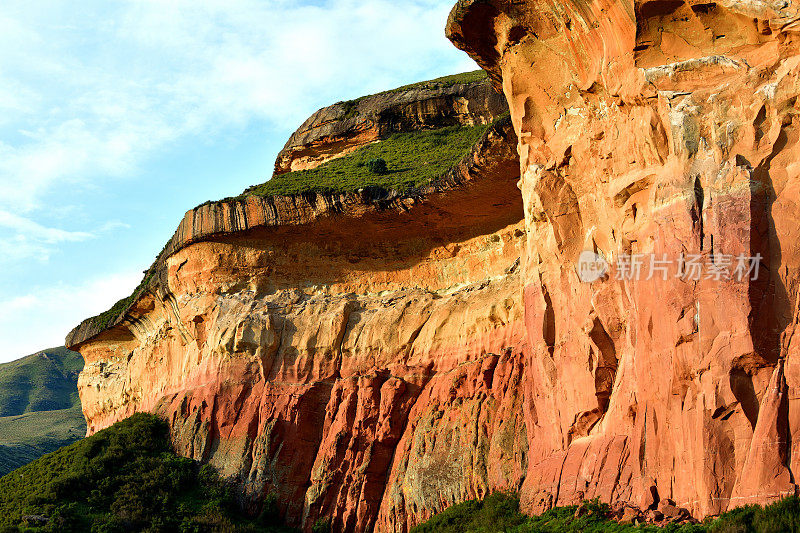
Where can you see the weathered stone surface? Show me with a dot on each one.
(654, 128)
(456, 198)
(377, 360)
(308, 346)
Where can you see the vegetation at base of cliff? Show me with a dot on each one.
(124, 478)
(499, 512)
(412, 159)
(39, 406)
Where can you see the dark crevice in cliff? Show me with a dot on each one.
(606, 366)
(549, 322)
(697, 210)
(769, 300)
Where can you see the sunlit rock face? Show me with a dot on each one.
(340, 128)
(377, 359)
(358, 357)
(668, 129)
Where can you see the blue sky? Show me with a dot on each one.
(117, 117)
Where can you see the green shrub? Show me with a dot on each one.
(499, 512)
(270, 514)
(323, 525)
(377, 166)
(124, 478)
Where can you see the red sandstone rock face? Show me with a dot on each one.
(340, 352)
(654, 128)
(345, 126)
(377, 362)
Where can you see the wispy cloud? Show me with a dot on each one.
(91, 90)
(41, 317)
(23, 238)
(38, 232)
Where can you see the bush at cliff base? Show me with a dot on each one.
(499, 512)
(124, 478)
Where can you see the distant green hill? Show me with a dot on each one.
(39, 406)
(124, 478)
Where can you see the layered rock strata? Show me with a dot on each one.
(667, 129)
(298, 343)
(374, 360)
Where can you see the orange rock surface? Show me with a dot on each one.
(298, 343)
(376, 360)
(660, 127)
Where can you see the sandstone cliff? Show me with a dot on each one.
(310, 346)
(462, 99)
(375, 360)
(654, 127)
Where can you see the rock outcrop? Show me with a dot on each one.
(376, 359)
(296, 343)
(667, 129)
(338, 129)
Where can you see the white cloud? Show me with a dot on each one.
(92, 91)
(22, 238)
(36, 231)
(43, 316)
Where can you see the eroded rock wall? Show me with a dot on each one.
(359, 358)
(375, 360)
(663, 128)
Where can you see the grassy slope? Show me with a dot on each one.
(39, 406)
(44, 381)
(500, 513)
(414, 159)
(124, 478)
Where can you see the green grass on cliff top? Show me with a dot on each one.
(414, 159)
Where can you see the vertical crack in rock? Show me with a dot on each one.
(548, 322)
(697, 210)
(606, 368)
